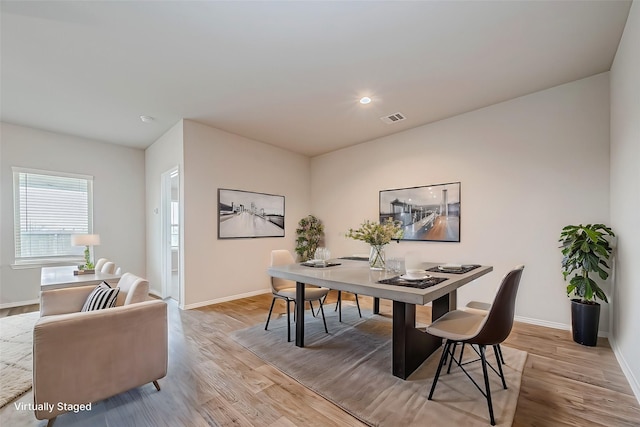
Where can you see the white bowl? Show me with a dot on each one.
(415, 274)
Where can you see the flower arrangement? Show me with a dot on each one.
(377, 234)
(310, 231)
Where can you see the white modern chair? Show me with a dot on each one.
(108, 268)
(100, 263)
(286, 290)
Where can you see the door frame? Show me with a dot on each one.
(165, 225)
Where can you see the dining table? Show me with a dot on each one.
(410, 345)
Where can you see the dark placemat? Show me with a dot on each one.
(420, 284)
(464, 269)
(314, 265)
(355, 258)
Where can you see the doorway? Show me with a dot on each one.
(171, 248)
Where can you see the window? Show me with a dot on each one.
(49, 207)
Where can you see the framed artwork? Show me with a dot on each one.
(428, 213)
(244, 214)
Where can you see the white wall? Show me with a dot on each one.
(625, 197)
(218, 269)
(527, 167)
(161, 156)
(118, 202)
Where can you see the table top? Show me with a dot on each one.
(63, 277)
(357, 277)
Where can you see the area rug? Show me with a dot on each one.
(351, 367)
(16, 350)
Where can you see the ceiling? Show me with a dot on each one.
(288, 74)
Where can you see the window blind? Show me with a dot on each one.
(49, 208)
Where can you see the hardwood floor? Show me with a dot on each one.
(213, 381)
(19, 310)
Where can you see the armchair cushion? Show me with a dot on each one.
(63, 301)
(103, 296)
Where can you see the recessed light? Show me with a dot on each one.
(147, 119)
(365, 100)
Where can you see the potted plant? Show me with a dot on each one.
(310, 232)
(585, 250)
(377, 235)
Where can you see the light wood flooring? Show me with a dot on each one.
(213, 381)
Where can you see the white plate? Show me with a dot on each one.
(413, 278)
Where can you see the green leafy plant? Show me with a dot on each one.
(585, 250)
(88, 265)
(377, 234)
(310, 232)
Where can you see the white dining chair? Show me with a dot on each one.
(100, 263)
(108, 268)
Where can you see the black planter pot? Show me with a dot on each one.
(585, 317)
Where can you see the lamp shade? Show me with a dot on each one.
(85, 239)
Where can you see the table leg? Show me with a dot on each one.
(300, 314)
(411, 346)
(376, 305)
(443, 304)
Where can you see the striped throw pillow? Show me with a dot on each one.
(103, 296)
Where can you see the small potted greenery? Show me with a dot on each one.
(310, 232)
(585, 249)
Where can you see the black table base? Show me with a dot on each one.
(410, 346)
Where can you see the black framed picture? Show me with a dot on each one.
(245, 214)
(427, 213)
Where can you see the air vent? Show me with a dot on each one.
(393, 118)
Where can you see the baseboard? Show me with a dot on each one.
(225, 299)
(539, 322)
(626, 370)
(19, 303)
(554, 325)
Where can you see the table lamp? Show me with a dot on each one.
(86, 240)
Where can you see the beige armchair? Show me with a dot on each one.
(81, 357)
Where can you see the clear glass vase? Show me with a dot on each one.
(376, 257)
